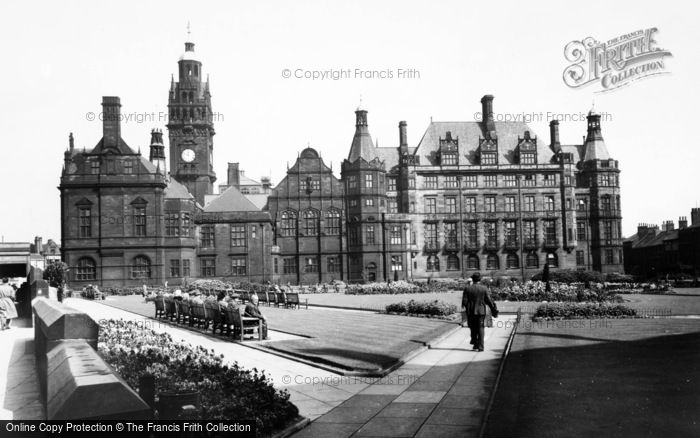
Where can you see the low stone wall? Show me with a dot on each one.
(75, 382)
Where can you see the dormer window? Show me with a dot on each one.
(488, 152)
(449, 150)
(488, 159)
(527, 149)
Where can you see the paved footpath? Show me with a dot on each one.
(20, 397)
(442, 392)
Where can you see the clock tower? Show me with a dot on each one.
(191, 128)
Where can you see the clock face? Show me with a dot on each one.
(188, 155)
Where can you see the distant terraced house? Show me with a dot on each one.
(470, 196)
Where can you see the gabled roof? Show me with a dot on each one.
(469, 133)
(121, 149)
(175, 190)
(231, 200)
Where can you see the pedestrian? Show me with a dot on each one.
(8, 311)
(475, 301)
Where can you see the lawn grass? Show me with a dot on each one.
(601, 377)
(357, 342)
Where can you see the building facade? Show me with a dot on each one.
(470, 196)
(654, 253)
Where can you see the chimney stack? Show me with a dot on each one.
(668, 225)
(682, 222)
(234, 175)
(695, 216)
(37, 244)
(554, 134)
(111, 114)
(487, 115)
(403, 138)
(644, 230)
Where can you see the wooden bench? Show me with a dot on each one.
(264, 298)
(281, 299)
(160, 307)
(183, 312)
(197, 316)
(212, 314)
(294, 302)
(241, 325)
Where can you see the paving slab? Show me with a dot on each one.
(449, 387)
(20, 396)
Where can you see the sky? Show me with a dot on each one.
(61, 57)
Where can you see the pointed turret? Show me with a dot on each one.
(362, 145)
(595, 148)
(157, 150)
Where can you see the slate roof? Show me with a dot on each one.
(362, 145)
(469, 133)
(651, 239)
(390, 155)
(231, 200)
(175, 190)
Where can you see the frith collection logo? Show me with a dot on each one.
(614, 63)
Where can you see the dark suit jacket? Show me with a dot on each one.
(475, 299)
(252, 311)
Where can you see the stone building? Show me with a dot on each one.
(654, 253)
(124, 222)
(470, 196)
(308, 212)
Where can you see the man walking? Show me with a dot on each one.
(474, 300)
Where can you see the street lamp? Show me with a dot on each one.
(461, 227)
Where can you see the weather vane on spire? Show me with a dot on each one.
(188, 31)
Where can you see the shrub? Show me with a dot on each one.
(427, 308)
(583, 311)
(226, 391)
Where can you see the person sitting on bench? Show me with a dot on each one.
(252, 310)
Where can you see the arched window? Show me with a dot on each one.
(86, 269)
(531, 260)
(333, 222)
(452, 262)
(552, 260)
(141, 267)
(191, 97)
(433, 263)
(492, 261)
(473, 262)
(512, 261)
(310, 223)
(289, 223)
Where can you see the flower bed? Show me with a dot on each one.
(537, 291)
(582, 311)
(424, 308)
(226, 391)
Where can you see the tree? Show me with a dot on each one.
(56, 274)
